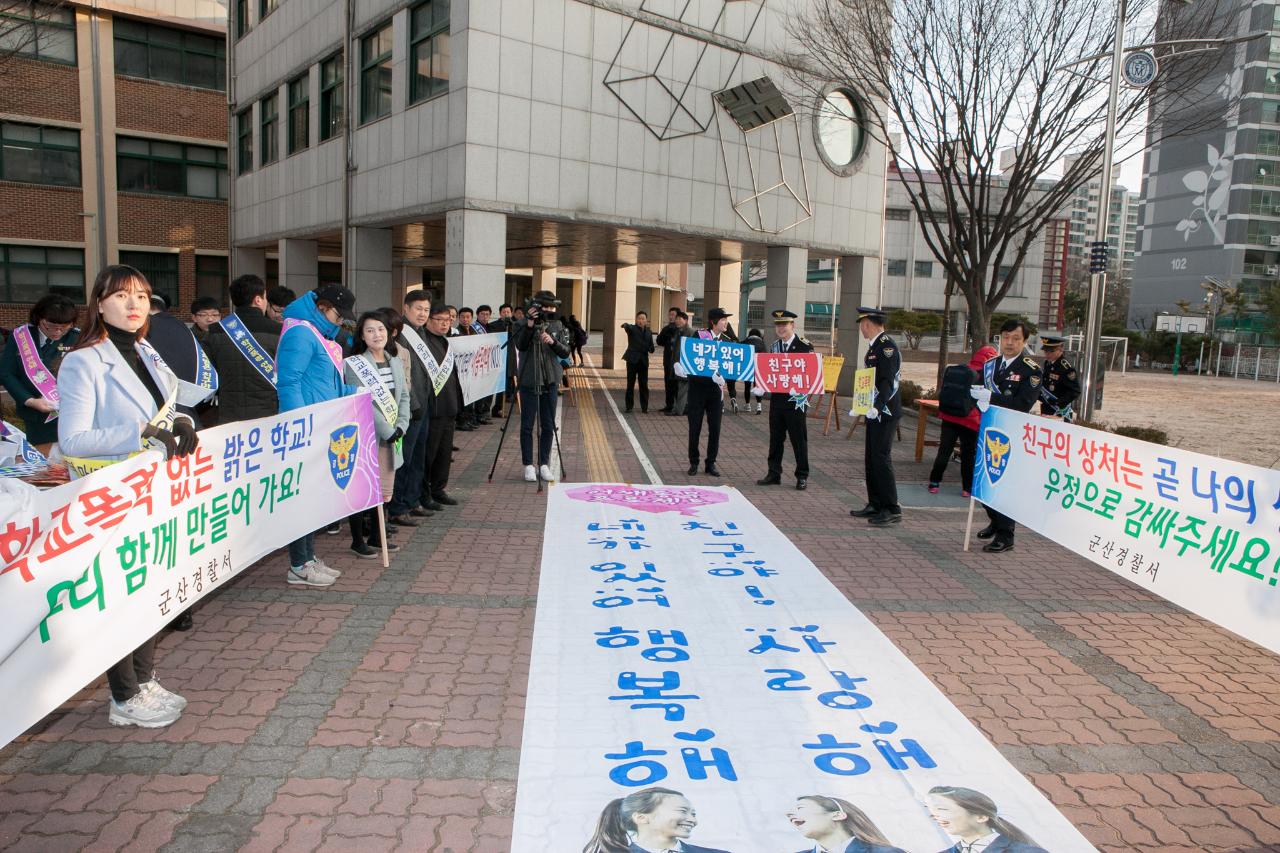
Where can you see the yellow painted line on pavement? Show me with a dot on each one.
(601, 465)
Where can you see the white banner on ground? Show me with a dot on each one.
(481, 362)
(90, 570)
(682, 642)
(1197, 530)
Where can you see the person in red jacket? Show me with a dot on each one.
(963, 429)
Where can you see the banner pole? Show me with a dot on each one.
(382, 534)
(968, 525)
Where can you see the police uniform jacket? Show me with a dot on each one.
(797, 344)
(1061, 386)
(243, 392)
(884, 356)
(15, 381)
(1016, 386)
(1001, 845)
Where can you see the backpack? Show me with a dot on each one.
(954, 397)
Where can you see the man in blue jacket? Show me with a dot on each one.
(309, 371)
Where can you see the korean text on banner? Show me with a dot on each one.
(481, 362)
(789, 372)
(782, 689)
(1196, 530)
(864, 389)
(90, 570)
(707, 357)
(832, 365)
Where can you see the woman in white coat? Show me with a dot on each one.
(118, 399)
(375, 367)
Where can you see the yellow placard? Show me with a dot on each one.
(831, 367)
(864, 386)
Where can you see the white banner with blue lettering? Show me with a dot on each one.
(1194, 529)
(696, 684)
(481, 362)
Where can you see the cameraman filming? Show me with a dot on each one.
(542, 341)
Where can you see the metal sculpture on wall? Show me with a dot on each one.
(663, 93)
(756, 107)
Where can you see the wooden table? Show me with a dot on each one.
(924, 408)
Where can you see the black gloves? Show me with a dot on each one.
(185, 432)
(164, 437)
(396, 436)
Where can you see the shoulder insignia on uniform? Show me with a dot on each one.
(804, 341)
(1031, 361)
(888, 350)
(1035, 380)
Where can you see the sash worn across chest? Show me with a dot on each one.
(39, 375)
(247, 345)
(368, 377)
(437, 372)
(331, 348)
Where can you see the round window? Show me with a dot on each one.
(838, 130)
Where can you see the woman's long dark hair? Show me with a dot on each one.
(977, 803)
(112, 279)
(613, 831)
(53, 307)
(358, 345)
(855, 822)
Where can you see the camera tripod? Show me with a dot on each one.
(539, 389)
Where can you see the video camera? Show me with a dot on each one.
(536, 306)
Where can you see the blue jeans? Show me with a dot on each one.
(408, 485)
(302, 551)
(543, 407)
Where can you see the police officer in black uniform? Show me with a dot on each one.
(1061, 384)
(882, 419)
(706, 399)
(1011, 380)
(785, 419)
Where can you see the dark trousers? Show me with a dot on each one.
(133, 669)
(951, 433)
(540, 407)
(1002, 525)
(638, 371)
(785, 422)
(439, 457)
(364, 528)
(704, 399)
(408, 485)
(882, 488)
(670, 388)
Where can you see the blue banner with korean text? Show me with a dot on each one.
(1194, 529)
(707, 357)
(696, 684)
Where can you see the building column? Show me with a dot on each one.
(475, 258)
(859, 282)
(298, 265)
(721, 288)
(544, 278)
(249, 262)
(619, 307)
(787, 278)
(369, 269)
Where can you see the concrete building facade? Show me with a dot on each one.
(484, 148)
(114, 149)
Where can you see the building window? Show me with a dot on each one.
(211, 277)
(269, 120)
(29, 272)
(839, 129)
(375, 75)
(1267, 173)
(896, 268)
(242, 18)
(900, 214)
(328, 272)
(429, 50)
(160, 270)
(39, 155)
(170, 168)
(244, 142)
(924, 269)
(299, 113)
(1004, 273)
(1269, 143)
(169, 55)
(330, 97)
(39, 31)
(266, 7)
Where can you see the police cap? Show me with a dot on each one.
(782, 315)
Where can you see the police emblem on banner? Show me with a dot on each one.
(995, 454)
(343, 444)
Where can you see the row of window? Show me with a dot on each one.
(51, 155)
(924, 269)
(29, 272)
(429, 77)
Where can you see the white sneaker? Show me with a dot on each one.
(545, 471)
(530, 474)
(144, 710)
(165, 697)
(309, 575)
(326, 569)
(759, 408)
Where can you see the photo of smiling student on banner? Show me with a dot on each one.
(973, 818)
(837, 826)
(652, 820)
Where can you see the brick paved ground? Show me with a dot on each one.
(385, 713)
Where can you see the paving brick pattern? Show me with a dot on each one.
(385, 712)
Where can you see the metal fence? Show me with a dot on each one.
(1240, 361)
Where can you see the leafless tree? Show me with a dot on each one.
(21, 30)
(971, 97)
